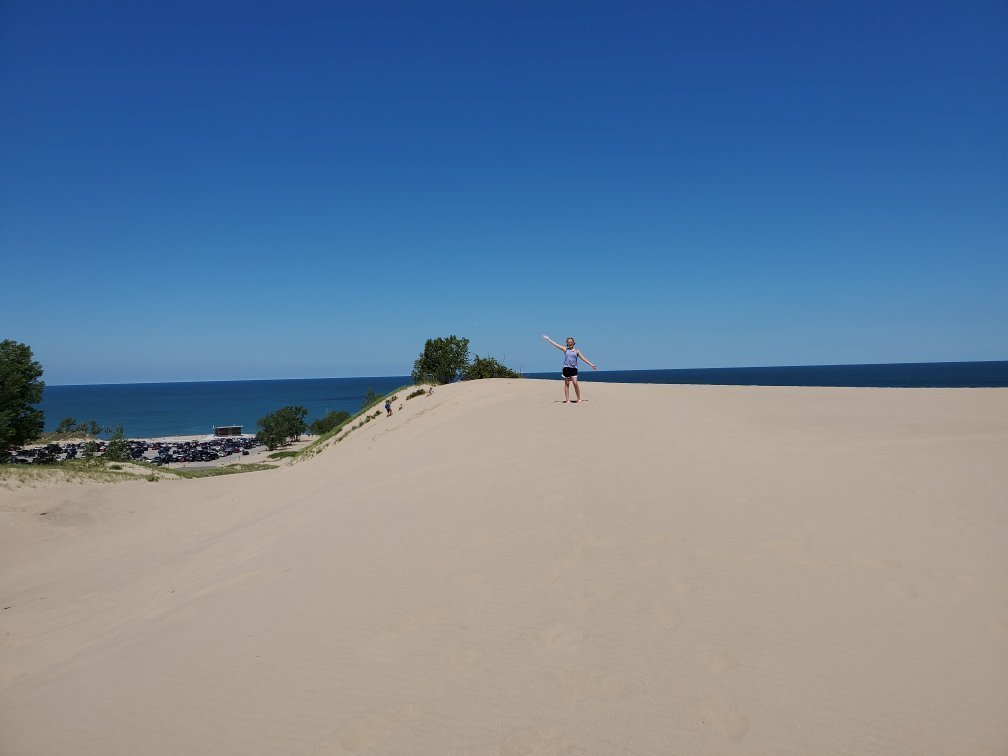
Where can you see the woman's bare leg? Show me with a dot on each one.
(577, 389)
(567, 390)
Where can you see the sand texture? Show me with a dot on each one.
(659, 569)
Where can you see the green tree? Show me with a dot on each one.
(292, 421)
(281, 427)
(67, 425)
(487, 367)
(442, 360)
(20, 389)
(269, 434)
(371, 398)
(331, 421)
(117, 449)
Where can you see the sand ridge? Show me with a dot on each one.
(686, 569)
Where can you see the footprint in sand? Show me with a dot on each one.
(588, 600)
(461, 660)
(562, 565)
(372, 730)
(656, 536)
(902, 590)
(665, 616)
(411, 622)
(968, 581)
(576, 685)
(681, 585)
(717, 661)
(724, 719)
(961, 580)
(472, 581)
(788, 544)
(1001, 625)
(541, 740)
(875, 563)
(798, 548)
(560, 637)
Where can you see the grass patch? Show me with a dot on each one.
(100, 471)
(282, 455)
(212, 472)
(201, 472)
(75, 471)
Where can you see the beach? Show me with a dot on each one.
(658, 569)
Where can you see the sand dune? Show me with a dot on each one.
(660, 569)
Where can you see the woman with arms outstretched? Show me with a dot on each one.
(571, 355)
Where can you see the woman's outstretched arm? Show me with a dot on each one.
(593, 366)
(553, 342)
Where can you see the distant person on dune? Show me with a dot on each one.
(570, 371)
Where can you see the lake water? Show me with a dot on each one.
(150, 410)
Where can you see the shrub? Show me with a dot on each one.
(487, 367)
(70, 427)
(331, 421)
(442, 360)
(117, 449)
(418, 392)
(370, 398)
(281, 427)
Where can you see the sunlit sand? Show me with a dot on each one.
(658, 569)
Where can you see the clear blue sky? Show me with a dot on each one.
(227, 190)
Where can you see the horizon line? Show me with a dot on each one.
(533, 372)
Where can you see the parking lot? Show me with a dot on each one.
(190, 452)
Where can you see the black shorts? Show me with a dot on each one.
(569, 372)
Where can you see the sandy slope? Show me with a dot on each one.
(661, 569)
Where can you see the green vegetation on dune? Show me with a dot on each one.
(76, 471)
(20, 390)
(487, 367)
(210, 472)
(99, 470)
(349, 424)
(327, 423)
(446, 359)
